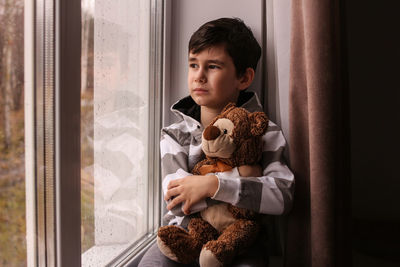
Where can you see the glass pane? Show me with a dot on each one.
(12, 168)
(114, 126)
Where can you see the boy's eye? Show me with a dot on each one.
(193, 65)
(213, 67)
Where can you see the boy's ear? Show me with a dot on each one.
(246, 79)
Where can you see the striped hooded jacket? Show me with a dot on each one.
(180, 148)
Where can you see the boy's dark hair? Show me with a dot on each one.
(238, 39)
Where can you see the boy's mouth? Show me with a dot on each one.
(200, 90)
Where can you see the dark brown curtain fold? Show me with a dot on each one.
(318, 224)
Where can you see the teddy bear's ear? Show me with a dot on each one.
(229, 106)
(259, 123)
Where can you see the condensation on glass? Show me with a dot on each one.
(114, 126)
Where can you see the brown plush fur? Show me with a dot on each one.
(187, 244)
(233, 240)
(249, 127)
(241, 131)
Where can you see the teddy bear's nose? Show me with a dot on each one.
(211, 133)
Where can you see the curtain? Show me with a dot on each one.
(318, 225)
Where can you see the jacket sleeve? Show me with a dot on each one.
(174, 150)
(271, 193)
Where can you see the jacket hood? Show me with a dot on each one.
(187, 109)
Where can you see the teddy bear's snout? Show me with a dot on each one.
(211, 133)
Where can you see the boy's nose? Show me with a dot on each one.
(200, 80)
(211, 133)
(200, 77)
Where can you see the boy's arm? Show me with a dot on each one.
(271, 193)
(192, 189)
(174, 166)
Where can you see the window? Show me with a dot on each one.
(93, 83)
(117, 129)
(12, 150)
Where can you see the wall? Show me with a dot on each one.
(278, 21)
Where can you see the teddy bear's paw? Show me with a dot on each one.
(166, 250)
(176, 243)
(208, 259)
(217, 252)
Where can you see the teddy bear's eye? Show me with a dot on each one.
(225, 131)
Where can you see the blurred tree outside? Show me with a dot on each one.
(87, 156)
(12, 161)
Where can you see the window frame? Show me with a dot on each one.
(53, 155)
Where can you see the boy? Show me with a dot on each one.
(223, 56)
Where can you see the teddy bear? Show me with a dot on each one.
(221, 231)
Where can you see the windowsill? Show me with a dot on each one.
(102, 255)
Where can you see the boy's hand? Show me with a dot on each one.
(191, 189)
(250, 170)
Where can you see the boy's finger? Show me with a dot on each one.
(174, 202)
(171, 193)
(186, 208)
(173, 183)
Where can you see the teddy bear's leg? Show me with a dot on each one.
(233, 240)
(175, 243)
(184, 246)
(202, 231)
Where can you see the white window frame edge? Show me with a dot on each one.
(31, 246)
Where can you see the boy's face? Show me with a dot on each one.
(212, 78)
